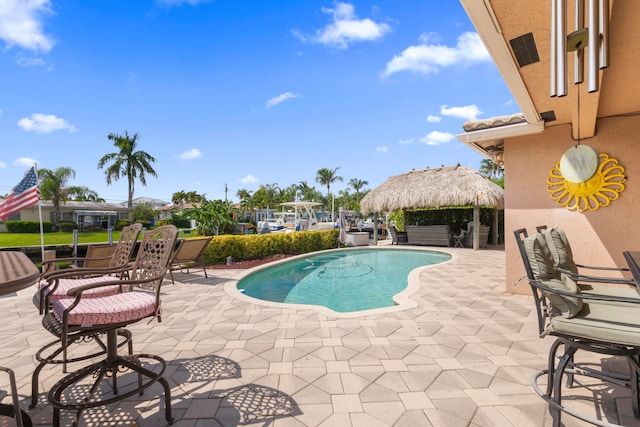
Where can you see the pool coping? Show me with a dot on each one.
(402, 299)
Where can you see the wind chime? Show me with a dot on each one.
(583, 179)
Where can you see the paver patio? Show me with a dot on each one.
(462, 357)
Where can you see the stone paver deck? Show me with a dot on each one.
(463, 356)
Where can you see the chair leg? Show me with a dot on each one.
(111, 365)
(204, 269)
(634, 368)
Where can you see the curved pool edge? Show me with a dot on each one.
(402, 299)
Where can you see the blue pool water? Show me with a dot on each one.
(344, 281)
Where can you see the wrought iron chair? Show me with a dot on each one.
(56, 284)
(602, 323)
(77, 315)
(189, 253)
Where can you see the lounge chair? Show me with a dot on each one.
(189, 253)
(397, 237)
(601, 323)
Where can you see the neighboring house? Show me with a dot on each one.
(168, 211)
(517, 35)
(155, 203)
(88, 215)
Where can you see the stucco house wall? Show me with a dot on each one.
(597, 237)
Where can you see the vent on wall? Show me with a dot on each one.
(524, 48)
(548, 116)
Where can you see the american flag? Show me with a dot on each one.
(24, 194)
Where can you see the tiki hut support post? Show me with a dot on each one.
(375, 229)
(476, 227)
(495, 227)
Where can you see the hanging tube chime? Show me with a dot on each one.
(597, 43)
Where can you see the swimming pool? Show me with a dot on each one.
(344, 281)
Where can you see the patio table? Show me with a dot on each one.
(17, 272)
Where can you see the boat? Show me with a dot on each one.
(304, 216)
(296, 216)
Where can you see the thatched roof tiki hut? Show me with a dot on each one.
(450, 186)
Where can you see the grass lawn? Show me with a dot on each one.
(33, 239)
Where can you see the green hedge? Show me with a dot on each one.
(28, 226)
(254, 246)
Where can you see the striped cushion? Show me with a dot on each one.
(118, 308)
(64, 285)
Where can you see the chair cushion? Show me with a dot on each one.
(113, 309)
(602, 322)
(563, 305)
(560, 249)
(540, 258)
(65, 285)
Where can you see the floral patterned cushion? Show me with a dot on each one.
(118, 308)
(67, 284)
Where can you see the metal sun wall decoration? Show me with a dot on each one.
(585, 180)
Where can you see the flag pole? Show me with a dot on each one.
(35, 170)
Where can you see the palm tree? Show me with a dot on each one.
(357, 185)
(179, 197)
(127, 162)
(327, 177)
(53, 186)
(246, 201)
(84, 194)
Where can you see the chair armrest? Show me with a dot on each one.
(84, 272)
(597, 279)
(602, 268)
(585, 296)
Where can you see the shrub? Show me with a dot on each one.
(66, 226)
(255, 246)
(28, 226)
(181, 222)
(123, 223)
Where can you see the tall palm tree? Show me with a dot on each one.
(327, 177)
(127, 162)
(53, 186)
(246, 201)
(357, 185)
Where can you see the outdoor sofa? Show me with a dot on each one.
(431, 235)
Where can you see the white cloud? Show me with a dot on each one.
(437, 138)
(433, 119)
(430, 58)
(382, 149)
(3, 165)
(45, 123)
(249, 179)
(178, 3)
(468, 112)
(25, 161)
(194, 153)
(21, 24)
(346, 28)
(406, 141)
(0, 113)
(280, 98)
(30, 61)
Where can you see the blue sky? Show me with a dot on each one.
(241, 93)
